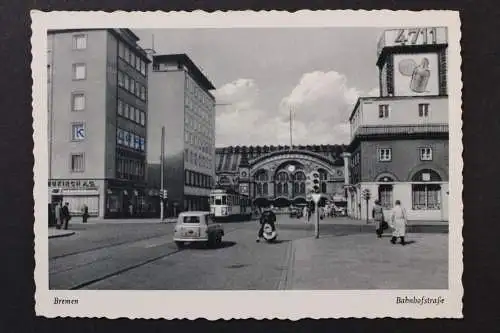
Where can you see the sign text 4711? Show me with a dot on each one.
(416, 36)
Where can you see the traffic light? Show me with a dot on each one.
(315, 182)
(164, 194)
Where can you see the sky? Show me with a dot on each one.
(260, 74)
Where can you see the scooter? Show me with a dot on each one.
(269, 234)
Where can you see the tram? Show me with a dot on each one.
(229, 205)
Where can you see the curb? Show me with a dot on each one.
(69, 233)
(287, 273)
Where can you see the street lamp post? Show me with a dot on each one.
(162, 178)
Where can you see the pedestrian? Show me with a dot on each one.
(378, 217)
(65, 215)
(85, 214)
(58, 215)
(398, 223)
(305, 214)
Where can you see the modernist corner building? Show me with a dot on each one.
(180, 101)
(276, 175)
(399, 141)
(97, 121)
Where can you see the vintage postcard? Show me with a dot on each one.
(234, 165)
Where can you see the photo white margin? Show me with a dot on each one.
(213, 305)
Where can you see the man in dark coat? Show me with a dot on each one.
(65, 215)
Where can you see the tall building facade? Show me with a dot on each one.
(276, 175)
(399, 141)
(97, 128)
(180, 100)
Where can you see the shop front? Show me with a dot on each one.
(126, 200)
(78, 193)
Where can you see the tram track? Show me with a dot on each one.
(124, 269)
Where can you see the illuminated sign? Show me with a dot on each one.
(412, 36)
(416, 74)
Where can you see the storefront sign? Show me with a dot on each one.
(73, 184)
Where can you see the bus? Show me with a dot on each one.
(229, 205)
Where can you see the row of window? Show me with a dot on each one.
(194, 124)
(132, 86)
(130, 140)
(196, 179)
(203, 111)
(197, 159)
(132, 113)
(197, 92)
(424, 196)
(129, 168)
(131, 58)
(384, 110)
(385, 154)
(194, 140)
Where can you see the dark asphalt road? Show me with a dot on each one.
(143, 256)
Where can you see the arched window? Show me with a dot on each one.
(282, 177)
(426, 194)
(300, 176)
(323, 175)
(278, 189)
(323, 187)
(302, 188)
(296, 188)
(258, 189)
(285, 188)
(261, 175)
(265, 190)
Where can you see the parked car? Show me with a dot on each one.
(193, 227)
(296, 212)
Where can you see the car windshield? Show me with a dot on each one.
(191, 219)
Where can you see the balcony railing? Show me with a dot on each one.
(401, 130)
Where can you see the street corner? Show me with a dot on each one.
(57, 233)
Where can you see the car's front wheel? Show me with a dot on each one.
(180, 245)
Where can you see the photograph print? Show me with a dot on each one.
(278, 158)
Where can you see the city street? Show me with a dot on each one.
(142, 256)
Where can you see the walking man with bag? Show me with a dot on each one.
(398, 223)
(378, 217)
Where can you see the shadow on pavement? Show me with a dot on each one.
(202, 246)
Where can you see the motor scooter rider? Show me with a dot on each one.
(267, 216)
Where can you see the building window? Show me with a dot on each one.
(78, 132)
(323, 187)
(80, 42)
(126, 81)
(143, 93)
(383, 111)
(426, 196)
(423, 110)
(77, 163)
(120, 108)
(79, 71)
(138, 116)
(143, 118)
(78, 101)
(384, 154)
(131, 85)
(385, 195)
(121, 50)
(425, 154)
(121, 79)
(186, 155)
(265, 189)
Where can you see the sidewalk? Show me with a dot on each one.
(55, 233)
(366, 262)
(78, 220)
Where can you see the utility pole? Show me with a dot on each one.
(162, 166)
(291, 135)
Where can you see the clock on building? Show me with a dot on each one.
(291, 168)
(243, 174)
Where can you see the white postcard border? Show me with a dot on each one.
(215, 305)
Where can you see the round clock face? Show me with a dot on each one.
(243, 174)
(291, 168)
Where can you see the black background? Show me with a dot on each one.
(481, 92)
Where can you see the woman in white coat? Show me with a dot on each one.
(398, 223)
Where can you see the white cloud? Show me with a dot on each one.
(321, 104)
(375, 92)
